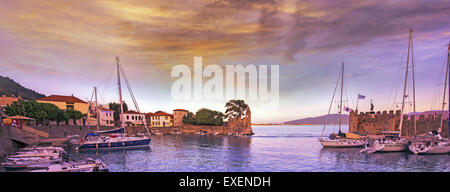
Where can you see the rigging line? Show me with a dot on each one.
(437, 92)
(332, 99)
(346, 91)
(395, 86)
(133, 98)
(107, 85)
(399, 80)
(90, 102)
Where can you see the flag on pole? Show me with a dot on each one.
(361, 96)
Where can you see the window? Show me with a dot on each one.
(128, 117)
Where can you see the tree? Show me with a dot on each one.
(204, 117)
(235, 109)
(116, 108)
(41, 111)
(208, 117)
(189, 118)
(72, 114)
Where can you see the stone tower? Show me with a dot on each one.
(178, 115)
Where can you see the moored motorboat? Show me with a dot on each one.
(89, 165)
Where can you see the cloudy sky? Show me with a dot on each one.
(68, 47)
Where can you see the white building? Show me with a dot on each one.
(132, 118)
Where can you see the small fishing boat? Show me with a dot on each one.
(34, 157)
(37, 152)
(340, 140)
(88, 165)
(29, 165)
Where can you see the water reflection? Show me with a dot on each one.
(273, 148)
(238, 152)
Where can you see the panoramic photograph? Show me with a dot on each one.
(242, 86)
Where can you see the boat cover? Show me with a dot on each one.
(352, 136)
(119, 130)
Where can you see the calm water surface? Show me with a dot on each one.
(272, 149)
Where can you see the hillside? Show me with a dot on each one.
(9, 87)
(332, 119)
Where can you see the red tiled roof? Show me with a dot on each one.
(159, 114)
(180, 110)
(62, 98)
(131, 112)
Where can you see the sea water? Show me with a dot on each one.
(283, 148)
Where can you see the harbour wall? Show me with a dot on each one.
(6, 145)
(375, 123)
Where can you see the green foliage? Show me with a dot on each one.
(204, 117)
(41, 111)
(116, 108)
(189, 118)
(72, 114)
(235, 109)
(9, 88)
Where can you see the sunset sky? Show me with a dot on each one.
(68, 47)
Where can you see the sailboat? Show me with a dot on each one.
(96, 141)
(339, 140)
(432, 142)
(391, 141)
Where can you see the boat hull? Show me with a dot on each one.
(393, 147)
(114, 145)
(341, 143)
(432, 150)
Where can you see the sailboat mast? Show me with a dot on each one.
(120, 94)
(445, 90)
(404, 88)
(414, 83)
(97, 109)
(342, 88)
(331, 104)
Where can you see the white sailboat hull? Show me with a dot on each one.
(341, 143)
(388, 146)
(434, 149)
(393, 147)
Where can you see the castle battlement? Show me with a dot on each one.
(376, 122)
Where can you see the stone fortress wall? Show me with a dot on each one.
(375, 123)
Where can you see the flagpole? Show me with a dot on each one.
(357, 101)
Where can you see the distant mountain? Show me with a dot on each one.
(432, 112)
(332, 119)
(9, 87)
